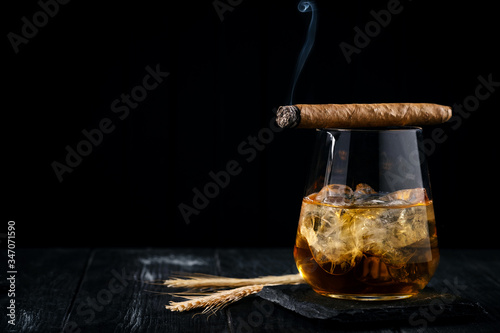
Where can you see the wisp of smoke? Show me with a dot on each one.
(305, 6)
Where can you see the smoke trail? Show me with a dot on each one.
(305, 6)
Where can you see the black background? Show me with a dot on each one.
(226, 76)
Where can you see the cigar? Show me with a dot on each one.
(361, 115)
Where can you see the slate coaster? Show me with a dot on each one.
(429, 305)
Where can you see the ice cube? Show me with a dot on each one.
(335, 194)
(408, 196)
(365, 195)
(327, 231)
(387, 232)
(363, 190)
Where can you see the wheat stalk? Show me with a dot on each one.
(218, 300)
(215, 301)
(215, 282)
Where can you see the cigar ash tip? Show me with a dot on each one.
(288, 116)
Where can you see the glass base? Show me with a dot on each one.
(368, 297)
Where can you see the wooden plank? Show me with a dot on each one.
(475, 273)
(46, 282)
(115, 296)
(472, 274)
(253, 262)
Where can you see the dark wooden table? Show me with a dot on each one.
(105, 290)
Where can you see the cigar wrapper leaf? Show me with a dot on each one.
(361, 115)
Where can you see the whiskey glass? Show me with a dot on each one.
(366, 229)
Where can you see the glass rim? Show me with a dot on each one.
(371, 129)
